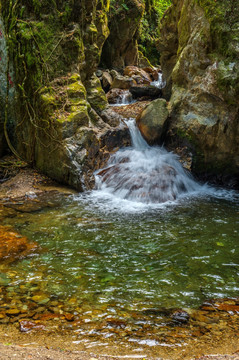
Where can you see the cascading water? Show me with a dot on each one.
(124, 99)
(160, 83)
(145, 174)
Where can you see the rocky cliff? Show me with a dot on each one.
(120, 48)
(200, 59)
(49, 53)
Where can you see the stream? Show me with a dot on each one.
(123, 257)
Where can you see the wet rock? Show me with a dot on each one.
(99, 73)
(135, 71)
(114, 95)
(157, 312)
(221, 305)
(46, 317)
(6, 212)
(13, 312)
(112, 139)
(153, 73)
(219, 357)
(13, 245)
(180, 317)
(122, 82)
(106, 81)
(151, 122)
(111, 117)
(132, 110)
(41, 299)
(69, 317)
(27, 326)
(4, 279)
(149, 91)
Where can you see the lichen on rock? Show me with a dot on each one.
(200, 62)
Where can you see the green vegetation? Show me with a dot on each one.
(224, 33)
(224, 45)
(149, 26)
(149, 29)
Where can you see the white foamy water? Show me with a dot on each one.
(124, 99)
(143, 174)
(160, 83)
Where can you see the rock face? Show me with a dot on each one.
(7, 82)
(151, 122)
(58, 126)
(120, 48)
(200, 59)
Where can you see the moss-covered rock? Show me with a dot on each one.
(53, 49)
(96, 95)
(201, 63)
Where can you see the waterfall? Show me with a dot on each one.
(144, 174)
(124, 99)
(160, 83)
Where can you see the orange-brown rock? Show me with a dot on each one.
(26, 326)
(132, 110)
(13, 245)
(153, 72)
(152, 120)
(135, 71)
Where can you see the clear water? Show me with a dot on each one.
(172, 256)
(105, 256)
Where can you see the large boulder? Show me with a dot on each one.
(122, 82)
(151, 122)
(149, 91)
(106, 81)
(200, 60)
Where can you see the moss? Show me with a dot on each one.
(183, 28)
(74, 77)
(183, 134)
(221, 30)
(76, 90)
(48, 99)
(96, 95)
